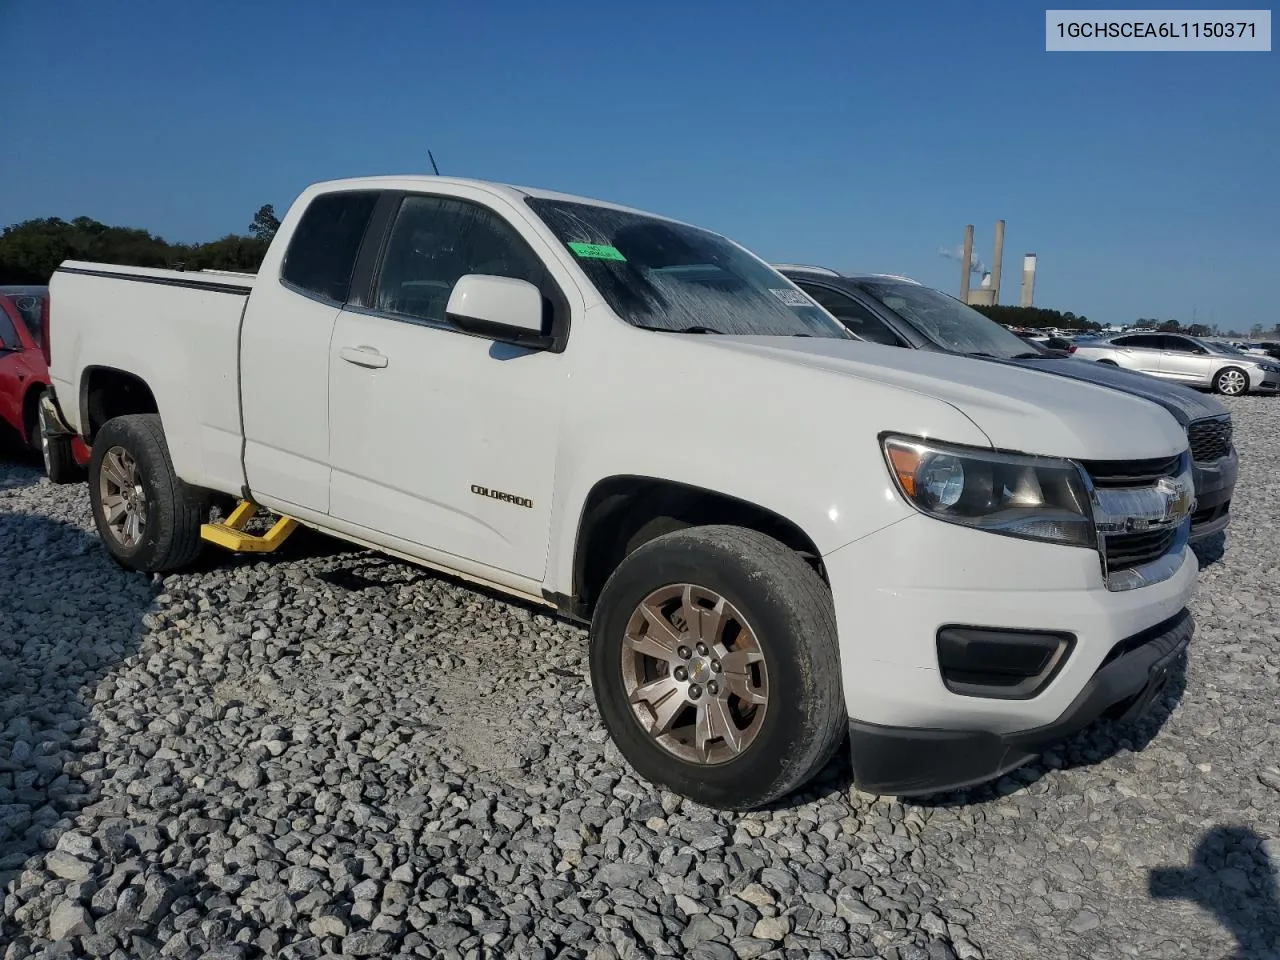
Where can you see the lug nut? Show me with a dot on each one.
(713, 688)
(681, 674)
(685, 653)
(695, 692)
(702, 649)
(715, 665)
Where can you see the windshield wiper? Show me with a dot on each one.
(693, 329)
(1034, 356)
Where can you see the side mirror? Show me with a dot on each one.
(501, 308)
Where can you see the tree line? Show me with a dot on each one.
(1038, 318)
(1256, 332)
(31, 250)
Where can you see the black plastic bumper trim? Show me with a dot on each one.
(902, 761)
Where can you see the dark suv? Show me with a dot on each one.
(900, 312)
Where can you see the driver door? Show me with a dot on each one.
(444, 442)
(1141, 351)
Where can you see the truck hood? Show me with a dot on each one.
(1020, 409)
(1184, 403)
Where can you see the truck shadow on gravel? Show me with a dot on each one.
(68, 616)
(86, 869)
(1231, 876)
(1210, 550)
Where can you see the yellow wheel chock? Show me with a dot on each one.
(231, 535)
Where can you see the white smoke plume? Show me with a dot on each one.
(956, 253)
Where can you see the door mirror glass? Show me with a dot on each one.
(502, 308)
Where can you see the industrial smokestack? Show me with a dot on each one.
(1028, 279)
(966, 263)
(995, 267)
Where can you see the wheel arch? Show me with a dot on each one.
(107, 392)
(624, 511)
(31, 407)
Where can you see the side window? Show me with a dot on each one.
(435, 241)
(8, 335)
(322, 252)
(852, 314)
(1142, 341)
(30, 308)
(1179, 344)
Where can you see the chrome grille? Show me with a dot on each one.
(1130, 473)
(1125, 550)
(1209, 439)
(1135, 539)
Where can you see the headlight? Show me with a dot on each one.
(1037, 498)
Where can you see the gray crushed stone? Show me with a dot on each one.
(328, 753)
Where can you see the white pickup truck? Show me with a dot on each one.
(779, 535)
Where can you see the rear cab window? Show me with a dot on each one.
(321, 256)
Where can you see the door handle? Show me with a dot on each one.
(363, 356)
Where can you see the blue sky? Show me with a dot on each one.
(854, 135)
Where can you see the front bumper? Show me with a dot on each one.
(900, 761)
(1215, 483)
(1264, 382)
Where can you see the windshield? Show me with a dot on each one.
(1222, 348)
(668, 276)
(946, 321)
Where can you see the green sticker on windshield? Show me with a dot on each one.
(596, 251)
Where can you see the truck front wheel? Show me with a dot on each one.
(716, 667)
(147, 517)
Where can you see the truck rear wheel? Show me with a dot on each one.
(716, 666)
(147, 517)
(56, 451)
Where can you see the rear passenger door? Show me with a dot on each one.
(1185, 360)
(1140, 351)
(443, 443)
(284, 351)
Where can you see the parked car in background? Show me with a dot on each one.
(1264, 348)
(1206, 364)
(24, 381)
(901, 312)
(1057, 344)
(779, 536)
(32, 302)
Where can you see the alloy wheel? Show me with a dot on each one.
(695, 674)
(124, 499)
(1232, 383)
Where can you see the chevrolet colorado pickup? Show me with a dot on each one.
(782, 539)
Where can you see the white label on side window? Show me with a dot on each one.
(792, 298)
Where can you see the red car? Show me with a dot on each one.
(24, 377)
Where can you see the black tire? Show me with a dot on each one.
(1218, 377)
(173, 510)
(59, 458)
(793, 617)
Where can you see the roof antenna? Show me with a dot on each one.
(433, 163)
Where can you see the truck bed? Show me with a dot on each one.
(177, 331)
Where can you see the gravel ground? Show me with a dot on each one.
(328, 753)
